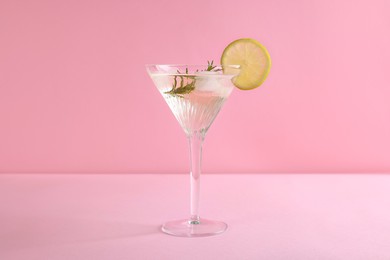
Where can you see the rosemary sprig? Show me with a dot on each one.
(187, 85)
(210, 66)
(187, 82)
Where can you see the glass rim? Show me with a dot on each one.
(232, 69)
(187, 64)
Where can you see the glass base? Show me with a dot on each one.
(187, 228)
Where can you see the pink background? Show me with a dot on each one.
(75, 97)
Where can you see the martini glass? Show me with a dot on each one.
(195, 94)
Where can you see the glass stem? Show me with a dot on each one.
(195, 141)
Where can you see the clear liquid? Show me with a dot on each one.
(195, 111)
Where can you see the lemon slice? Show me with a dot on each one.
(254, 61)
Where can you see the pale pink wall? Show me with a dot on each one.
(75, 97)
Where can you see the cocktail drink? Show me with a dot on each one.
(195, 95)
